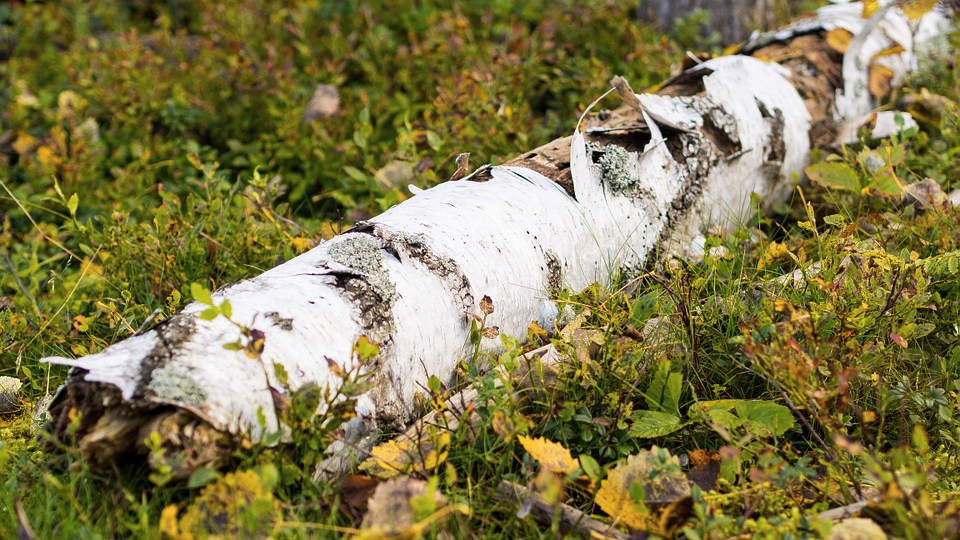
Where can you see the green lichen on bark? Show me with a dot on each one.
(172, 385)
(615, 169)
(363, 254)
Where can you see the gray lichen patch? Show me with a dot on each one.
(363, 254)
(285, 324)
(171, 385)
(554, 273)
(614, 163)
(170, 334)
(776, 148)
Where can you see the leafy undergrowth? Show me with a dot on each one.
(803, 362)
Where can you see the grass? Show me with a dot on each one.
(149, 146)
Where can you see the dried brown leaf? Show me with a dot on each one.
(486, 305)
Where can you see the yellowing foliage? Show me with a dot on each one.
(663, 485)
(237, 505)
(550, 455)
(914, 9)
(839, 39)
(394, 458)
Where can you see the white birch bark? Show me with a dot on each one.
(410, 278)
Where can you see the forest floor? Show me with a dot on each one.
(149, 149)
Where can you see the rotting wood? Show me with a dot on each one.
(572, 213)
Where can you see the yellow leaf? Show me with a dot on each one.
(47, 156)
(616, 501)
(25, 144)
(550, 455)
(394, 458)
(664, 485)
(168, 524)
(237, 505)
(890, 51)
(914, 9)
(502, 425)
(880, 80)
(301, 244)
(839, 39)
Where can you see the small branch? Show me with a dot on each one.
(842, 512)
(572, 521)
(23, 289)
(146, 324)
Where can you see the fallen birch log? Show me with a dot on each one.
(572, 213)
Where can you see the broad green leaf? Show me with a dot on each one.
(886, 184)
(210, 313)
(835, 220)
(202, 477)
(201, 294)
(718, 412)
(72, 204)
(765, 418)
(835, 175)
(365, 349)
(589, 466)
(355, 173)
(226, 309)
(655, 424)
(663, 394)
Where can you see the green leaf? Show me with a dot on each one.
(202, 477)
(590, 466)
(209, 314)
(434, 140)
(835, 175)
(56, 186)
(836, 220)
(663, 394)
(72, 204)
(718, 412)
(355, 173)
(226, 309)
(637, 492)
(644, 308)
(201, 294)
(765, 418)
(655, 424)
(365, 349)
(886, 184)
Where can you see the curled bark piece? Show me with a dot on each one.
(570, 214)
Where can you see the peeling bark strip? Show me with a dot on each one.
(568, 214)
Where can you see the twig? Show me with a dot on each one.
(842, 512)
(146, 323)
(24, 530)
(39, 230)
(572, 521)
(23, 289)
